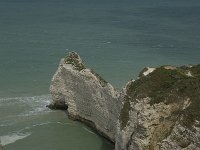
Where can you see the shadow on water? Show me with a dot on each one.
(107, 145)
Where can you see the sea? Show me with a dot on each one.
(116, 38)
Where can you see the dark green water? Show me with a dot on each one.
(116, 38)
(27, 124)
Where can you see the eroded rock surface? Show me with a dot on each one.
(158, 111)
(89, 97)
(161, 110)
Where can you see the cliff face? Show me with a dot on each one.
(89, 98)
(158, 111)
(161, 110)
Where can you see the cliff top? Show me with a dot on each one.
(77, 63)
(167, 84)
(74, 59)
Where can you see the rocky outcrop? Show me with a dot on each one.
(161, 110)
(158, 111)
(89, 98)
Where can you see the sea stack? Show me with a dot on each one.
(160, 110)
(89, 97)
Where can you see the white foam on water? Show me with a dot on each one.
(28, 106)
(33, 126)
(88, 130)
(34, 105)
(40, 99)
(41, 124)
(34, 112)
(69, 124)
(12, 138)
(5, 125)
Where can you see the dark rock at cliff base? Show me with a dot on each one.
(60, 105)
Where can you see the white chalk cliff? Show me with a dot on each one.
(89, 98)
(158, 111)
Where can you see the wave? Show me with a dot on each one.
(69, 124)
(34, 112)
(42, 124)
(12, 138)
(18, 135)
(88, 130)
(27, 99)
(30, 105)
(33, 126)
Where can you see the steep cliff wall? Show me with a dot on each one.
(158, 111)
(161, 110)
(89, 98)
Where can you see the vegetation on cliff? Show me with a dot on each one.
(100, 79)
(124, 114)
(74, 59)
(169, 85)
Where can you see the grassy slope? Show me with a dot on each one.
(168, 86)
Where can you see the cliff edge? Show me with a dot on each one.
(160, 110)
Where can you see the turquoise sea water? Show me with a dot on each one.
(116, 38)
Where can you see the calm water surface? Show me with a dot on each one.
(116, 38)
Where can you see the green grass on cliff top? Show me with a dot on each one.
(74, 59)
(168, 86)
